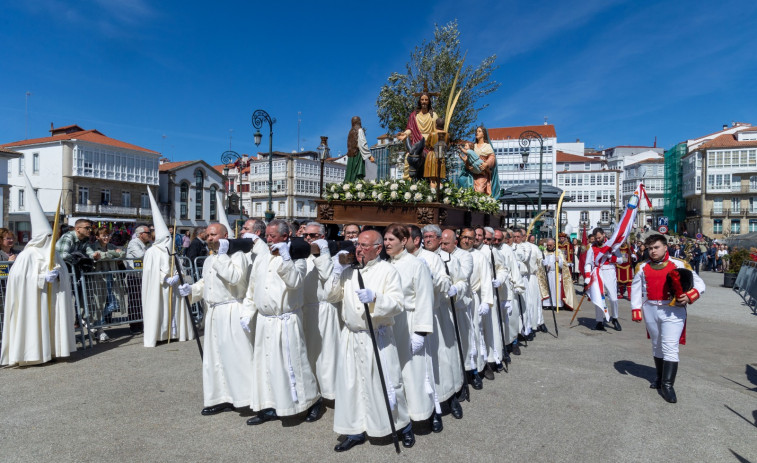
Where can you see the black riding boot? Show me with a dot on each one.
(669, 370)
(656, 384)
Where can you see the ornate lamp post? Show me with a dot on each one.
(227, 157)
(525, 143)
(325, 152)
(258, 117)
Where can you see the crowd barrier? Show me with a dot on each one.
(109, 296)
(746, 284)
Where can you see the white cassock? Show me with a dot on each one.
(490, 323)
(156, 295)
(283, 378)
(531, 257)
(321, 323)
(554, 292)
(360, 405)
(464, 305)
(447, 370)
(30, 336)
(508, 297)
(481, 288)
(227, 361)
(418, 317)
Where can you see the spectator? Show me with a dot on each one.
(198, 247)
(73, 244)
(101, 298)
(7, 240)
(185, 242)
(722, 263)
(135, 252)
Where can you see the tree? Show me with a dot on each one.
(436, 63)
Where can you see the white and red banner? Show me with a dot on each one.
(606, 252)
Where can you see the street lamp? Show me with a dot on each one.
(258, 117)
(325, 152)
(525, 143)
(228, 157)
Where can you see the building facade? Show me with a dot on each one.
(99, 178)
(187, 194)
(512, 170)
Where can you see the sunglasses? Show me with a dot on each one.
(311, 235)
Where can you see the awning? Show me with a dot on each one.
(72, 220)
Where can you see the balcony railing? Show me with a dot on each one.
(118, 210)
(744, 188)
(734, 213)
(86, 208)
(719, 213)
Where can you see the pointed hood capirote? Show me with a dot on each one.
(42, 232)
(222, 219)
(162, 236)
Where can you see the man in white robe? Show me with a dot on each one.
(464, 304)
(530, 256)
(34, 330)
(512, 284)
(165, 313)
(360, 407)
(490, 323)
(555, 292)
(483, 295)
(320, 318)
(227, 363)
(447, 370)
(284, 383)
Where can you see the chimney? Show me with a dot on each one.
(725, 126)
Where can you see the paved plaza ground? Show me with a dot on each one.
(581, 397)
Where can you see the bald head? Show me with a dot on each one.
(449, 241)
(215, 232)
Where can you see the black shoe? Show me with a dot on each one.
(216, 409)
(516, 349)
(488, 372)
(508, 360)
(616, 324)
(262, 417)
(476, 382)
(315, 412)
(436, 422)
(669, 370)
(455, 409)
(531, 336)
(521, 337)
(657, 383)
(408, 439)
(600, 326)
(464, 394)
(544, 328)
(348, 443)
(498, 367)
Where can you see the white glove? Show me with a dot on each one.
(283, 249)
(172, 281)
(323, 245)
(338, 266)
(416, 342)
(251, 236)
(365, 295)
(483, 308)
(51, 275)
(223, 247)
(496, 283)
(185, 290)
(509, 308)
(452, 291)
(245, 322)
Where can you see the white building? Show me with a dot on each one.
(512, 170)
(594, 189)
(5, 156)
(187, 194)
(100, 178)
(296, 183)
(651, 171)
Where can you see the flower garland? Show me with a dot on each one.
(403, 191)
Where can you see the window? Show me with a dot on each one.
(587, 166)
(199, 189)
(717, 226)
(717, 205)
(20, 165)
(126, 198)
(144, 201)
(299, 207)
(105, 197)
(736, 226)
(567, 167)
(258, 209)
(281, 207)
(213, 204)
(752, 225)
(35, 163)
(585, 216)
(83, 195)
(753, 204)
(735, 204)
(183, 200)
(21, 202)
(605, 216)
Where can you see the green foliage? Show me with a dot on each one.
(736, 258)
(436, 62)
(401, 191)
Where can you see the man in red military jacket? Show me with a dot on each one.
(625, 270)
(665, 323)
(564, 245)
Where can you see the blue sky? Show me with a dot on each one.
(176, 76)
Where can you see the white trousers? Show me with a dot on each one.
(610, 283)
(664, 325)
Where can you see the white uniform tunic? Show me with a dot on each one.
(490, 322)
(417, 317)
(158, 298)
(442, 347)
(227, 362)
(321, 323)
(30, 336)
(531, 257)
(481, 289)
(360, 405)
(555, 293)
(513, 283)
(609, 276)
(283, 378)
(465, 310)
